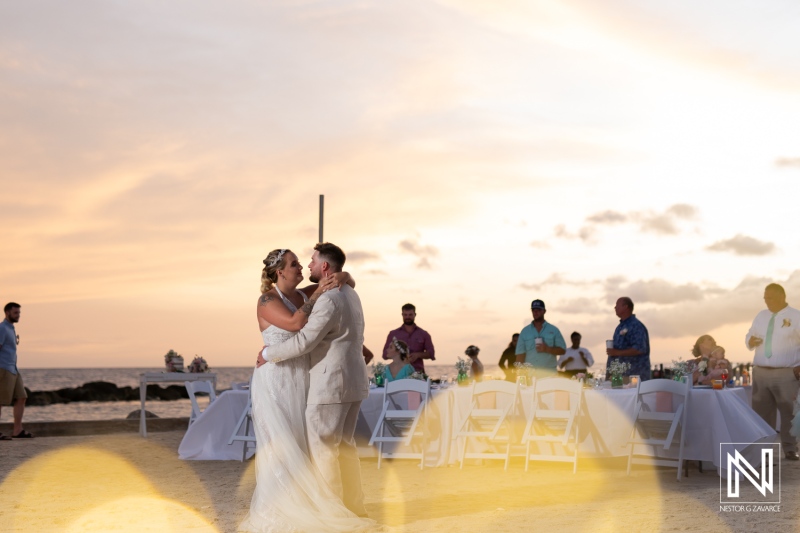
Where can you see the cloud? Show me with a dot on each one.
(607, 217)
(581, 306)
(788, 162)
(585, 233)
(358, 256)
(664, 223)
(685, 310)
(423, 252)
(684, 211)
(554, 279)
(736, 306)
(658, 291)
(743, 245)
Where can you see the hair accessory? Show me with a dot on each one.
(399, 347)
(276, 260)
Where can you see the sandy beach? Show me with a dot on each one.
(126, 483)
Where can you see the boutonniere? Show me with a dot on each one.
(624, 331)
(787, 323)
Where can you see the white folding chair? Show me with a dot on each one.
(660, 428)
(553, 420)
(241, 432)
(485, 425)
(195, 387)
(406, 427)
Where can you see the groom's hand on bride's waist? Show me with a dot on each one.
(261, 357)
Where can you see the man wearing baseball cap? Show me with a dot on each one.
(540, 342)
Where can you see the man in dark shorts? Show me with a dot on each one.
(12, 390)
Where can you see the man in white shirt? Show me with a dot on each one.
(576, 360)
(775, 336)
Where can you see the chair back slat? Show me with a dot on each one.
(659, 421)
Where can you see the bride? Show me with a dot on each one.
(290, 494)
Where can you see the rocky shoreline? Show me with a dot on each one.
(103, 391)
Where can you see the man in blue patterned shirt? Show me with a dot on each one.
(631, 341)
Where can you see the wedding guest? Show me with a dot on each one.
(477, 367)
(368, 355)
(12, 390)
(718, 360)
(631, 341)
(508, 358)
(398, 368)
(775, 337)
(541, 354)
(418, 340)
(576, 360)
(706, 349)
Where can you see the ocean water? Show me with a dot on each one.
(37, 379)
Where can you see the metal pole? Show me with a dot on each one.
(321, 213)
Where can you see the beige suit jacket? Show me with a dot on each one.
(333, 338)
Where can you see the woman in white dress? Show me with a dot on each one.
(290, 494)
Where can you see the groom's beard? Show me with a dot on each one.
(313, 278)
(407, 322)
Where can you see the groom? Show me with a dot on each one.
(333, 338)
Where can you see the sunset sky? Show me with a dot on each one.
(473, 155)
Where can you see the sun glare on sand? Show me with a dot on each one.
(126, 483)
(549, 495)
(83, 488)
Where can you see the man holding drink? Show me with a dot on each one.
(775, 337)
(540, 343)
(631, 342)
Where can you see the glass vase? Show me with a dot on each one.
(463, 378)
(379, 380)
(616, 382)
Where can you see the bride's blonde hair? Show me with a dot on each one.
(275, 261)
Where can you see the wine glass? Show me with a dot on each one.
(444, 381)
(724, 377)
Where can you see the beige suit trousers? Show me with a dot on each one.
(333, 450)
(774, 389)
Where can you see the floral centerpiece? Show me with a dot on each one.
(173, 361)
(422, 376)
(617, 369)
(198, 366)
(525, 370)
(463, 367)
(682, 368)
(377, 372)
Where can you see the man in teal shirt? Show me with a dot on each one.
(545, 354)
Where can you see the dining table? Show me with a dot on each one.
(713, 417)
(207, 437)
(605, 424)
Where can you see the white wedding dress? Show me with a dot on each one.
(290, 494)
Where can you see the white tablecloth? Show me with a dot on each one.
(714, 417)
(207, 438)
